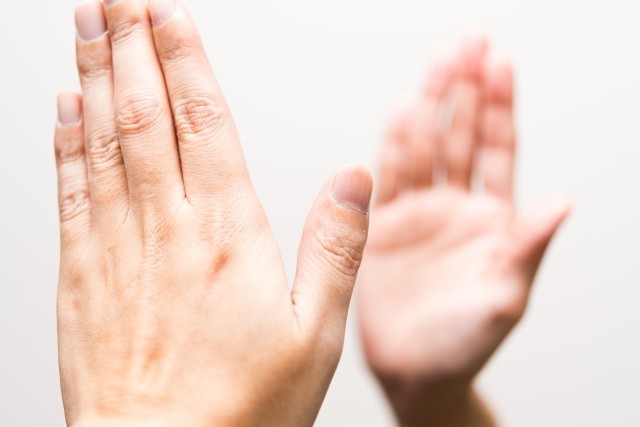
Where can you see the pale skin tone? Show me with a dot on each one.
(173, 305)
(450, 261)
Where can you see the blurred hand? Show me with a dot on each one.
(173, 306)
(449, 267)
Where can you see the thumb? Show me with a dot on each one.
(536, 228)
(331, 249)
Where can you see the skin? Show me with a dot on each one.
(173, 305)
(449, 265)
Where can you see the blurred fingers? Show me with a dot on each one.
(459, 146)
(498, 133)
(394, 175)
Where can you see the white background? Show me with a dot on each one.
(311, 85)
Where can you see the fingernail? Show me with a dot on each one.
(90, 21)
(161, 11)
(69, 108)
(109, 2)
(352, 189)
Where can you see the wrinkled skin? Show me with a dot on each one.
(173, 304)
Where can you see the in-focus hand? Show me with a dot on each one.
(450, 262)
(173, 305)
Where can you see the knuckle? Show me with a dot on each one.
(70, 296)
(197, 117)
(137, 114)
(175, 49)
(69, 148)
(103, 149)
(126, 28)
(93, 64)
(179, 47)
(70, 280)
(158, 236)
(73, 204)
(344, 253)
(93, 72)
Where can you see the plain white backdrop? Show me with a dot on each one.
(310, 85)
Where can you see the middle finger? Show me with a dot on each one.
(143, 116)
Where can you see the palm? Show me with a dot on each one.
(447, 270)
(441, 293)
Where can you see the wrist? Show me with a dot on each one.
(171, 414)
(146, 419)
(118, 422)
(454, 404)
(102, 422)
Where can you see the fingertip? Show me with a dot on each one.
(440, 75)
(332, 245)
(478, 41)
(401, 108)
(69, 108)
(90, 20)
(400, 117)
(540, 224)
(352, 188)
(556, 206)
(162, 11)
(499, 79)
(562, 205)
(472, 53)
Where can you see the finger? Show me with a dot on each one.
(425, 135)
(210, 152)
(107, 178)
(421, 145)
(143, 117)
(498, 135)
(394, 175)
(331, 250)
(73, 190)
(535, 229)
(465, 102)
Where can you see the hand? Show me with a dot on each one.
(448, 268)
(173, 306)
